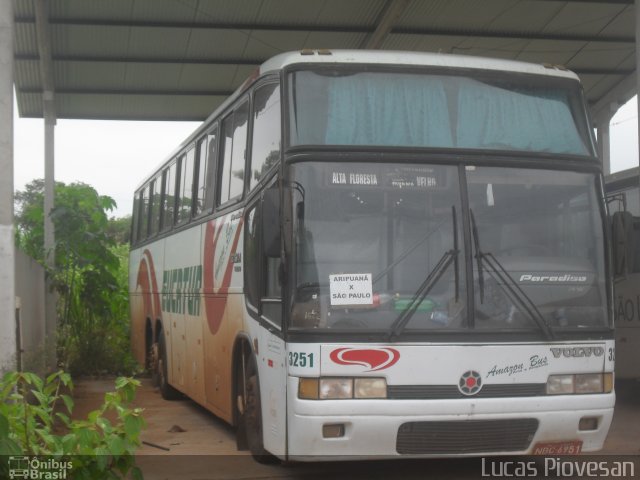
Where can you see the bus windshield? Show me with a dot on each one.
(512, 112)
(374, 241)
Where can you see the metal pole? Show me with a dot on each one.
(50, 315)
(49, 115)
(8, 346)
(49, 185)
(604, 143)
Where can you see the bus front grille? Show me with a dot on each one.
(439, 392)
(466, 436)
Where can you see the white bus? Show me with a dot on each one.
(623, 198)
(384, 254)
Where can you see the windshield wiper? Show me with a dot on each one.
(507, 283)
(449, 257)
(476, 244)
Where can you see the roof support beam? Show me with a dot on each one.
(617, 96)
(433, 31)
(97, 91)
(390, 14)
(234, 62)
(8, 337)
(152, 60)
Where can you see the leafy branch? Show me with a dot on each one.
(35, 419)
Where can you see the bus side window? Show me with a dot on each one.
(144, 213)
(136, 219)
(168, 196)
(265, 150)
(154, 199)
(262, 286)
(212, 162)
(205, 173)
(185, 193)
(234, 147)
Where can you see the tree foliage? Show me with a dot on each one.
(88, 273)
(36, 419)
(119, 229)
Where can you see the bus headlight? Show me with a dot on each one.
(336, 388)
(341, 388)
(590, 383)
(560, 385)
(370, 388)
(580, 383)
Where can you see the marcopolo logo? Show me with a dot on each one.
(39, 468)
(470, 383)
(372, 358)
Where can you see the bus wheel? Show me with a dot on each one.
(251, 417)
(166, 390)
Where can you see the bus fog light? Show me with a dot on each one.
(588, 383)
(560, 385)
(336, 388)
(608, 383)
(333, 431)
(370, 388)
(588, 423)
(308, 388)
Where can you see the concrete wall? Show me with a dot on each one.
(35, 348)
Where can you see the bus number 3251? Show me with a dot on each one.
(300, 359)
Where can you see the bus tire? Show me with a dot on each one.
(166, 390)
(251, 418)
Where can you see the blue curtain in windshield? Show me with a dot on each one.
(388, 110)
(496, 118)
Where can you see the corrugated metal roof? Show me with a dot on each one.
(158, 59)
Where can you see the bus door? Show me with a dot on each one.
(262, 264)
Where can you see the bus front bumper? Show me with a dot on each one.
(442, 428)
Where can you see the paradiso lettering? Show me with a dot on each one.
(181, 290)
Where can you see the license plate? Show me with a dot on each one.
(572, 447)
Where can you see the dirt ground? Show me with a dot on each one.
(184, 441)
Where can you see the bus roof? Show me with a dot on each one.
(389, 57)
(371, 57)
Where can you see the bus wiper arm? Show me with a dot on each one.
(515, 293)
(476, 244)
(399, 323)
(449, 257)
(508, 285)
